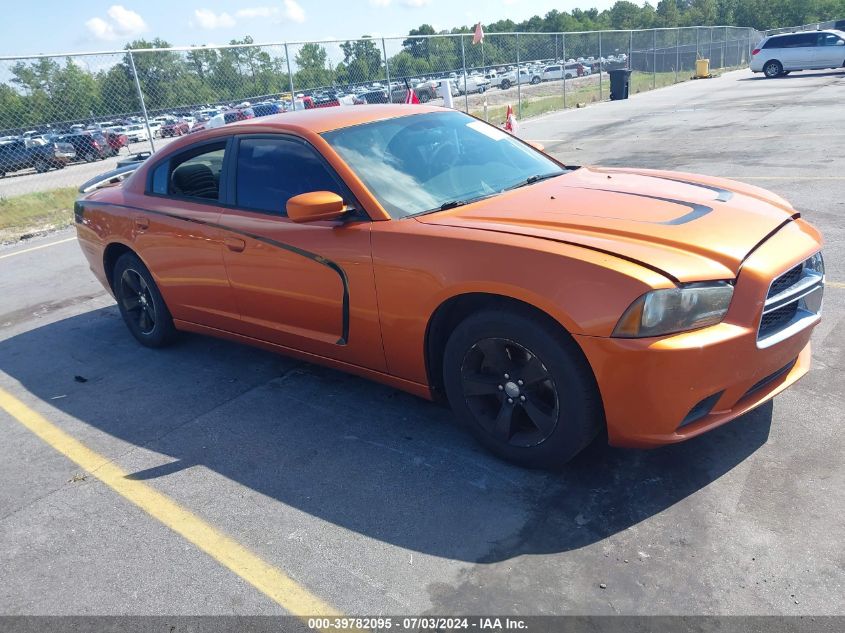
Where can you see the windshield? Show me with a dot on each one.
(424, 162)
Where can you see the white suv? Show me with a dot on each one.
(810, 50)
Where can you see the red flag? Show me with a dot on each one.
(479, 34)
(411, 97)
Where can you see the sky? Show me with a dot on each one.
(62, 26)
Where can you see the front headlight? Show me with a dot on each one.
(688, 307)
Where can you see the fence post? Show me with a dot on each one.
(677, 52)
(466, 84)
(563, 65)
(697, 33)
(725, 49)
(141, 99)
(518, 82)
(710, 56)
(631, 52)
(601, 67)
(290, 79)
(654, 62)
(387, 72)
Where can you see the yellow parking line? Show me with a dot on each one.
(35, 248)
(834, 284)
(271, 581)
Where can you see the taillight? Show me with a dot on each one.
(754, 52)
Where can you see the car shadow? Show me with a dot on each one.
(347, 451)
(799, 74)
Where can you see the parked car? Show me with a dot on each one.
(21, 153)
(224, 118)
(89, 146)
(473, 84)
(175, 128)
(137, 132)
(509, 79)
(425, 91)
(556, 72)
(580, 69)
(116, 139)
(547, 303)
(374, 96)
(266, 109)
(780, 55)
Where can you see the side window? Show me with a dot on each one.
(829, 39)
(193, 174)
(272, 170)
(787, 41)
(807, 40)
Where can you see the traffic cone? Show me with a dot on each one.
(510, 120)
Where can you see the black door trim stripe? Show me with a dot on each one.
(344, 337)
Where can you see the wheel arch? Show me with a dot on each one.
(111, 254)
(452, 311)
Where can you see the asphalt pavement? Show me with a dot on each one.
(212, 478)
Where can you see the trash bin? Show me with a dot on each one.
(702, 68)
(620, 80)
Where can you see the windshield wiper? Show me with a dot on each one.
(536, 178)
(452, 204)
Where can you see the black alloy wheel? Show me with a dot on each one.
(522, 386)
(137, 301)
(510, 392)
(141, 305)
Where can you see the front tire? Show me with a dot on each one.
(772, 69)
(522, 387)
(140, 302)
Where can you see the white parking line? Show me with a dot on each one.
(35, 248)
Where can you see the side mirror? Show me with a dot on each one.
(315, 206)
(538, 146)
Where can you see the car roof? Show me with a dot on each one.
(840, 33)
(321, 120)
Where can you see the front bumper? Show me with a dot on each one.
(665, 390)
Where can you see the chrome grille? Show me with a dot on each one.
(793, 302)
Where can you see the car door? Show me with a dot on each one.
(802, 51)
(830, 52)
(175, 232)
(303, 286)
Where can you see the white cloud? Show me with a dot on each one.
(120, 22)
(291, 11)
(294, 12)
(415, 4)
(257, 12)
(208, 19)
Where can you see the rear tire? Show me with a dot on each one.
(505, 84)
(772, 69)
(522, 387)
(140, 302)
(41, 166)
(535, 80)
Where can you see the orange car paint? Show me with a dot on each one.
(360, 295)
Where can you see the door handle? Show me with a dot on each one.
(142, 223)
(234, 244)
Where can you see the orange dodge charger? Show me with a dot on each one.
(430, 251)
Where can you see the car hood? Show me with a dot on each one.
(689, 227)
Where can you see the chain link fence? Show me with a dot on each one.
(66, 118)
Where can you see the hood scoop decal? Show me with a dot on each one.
(696, 210)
